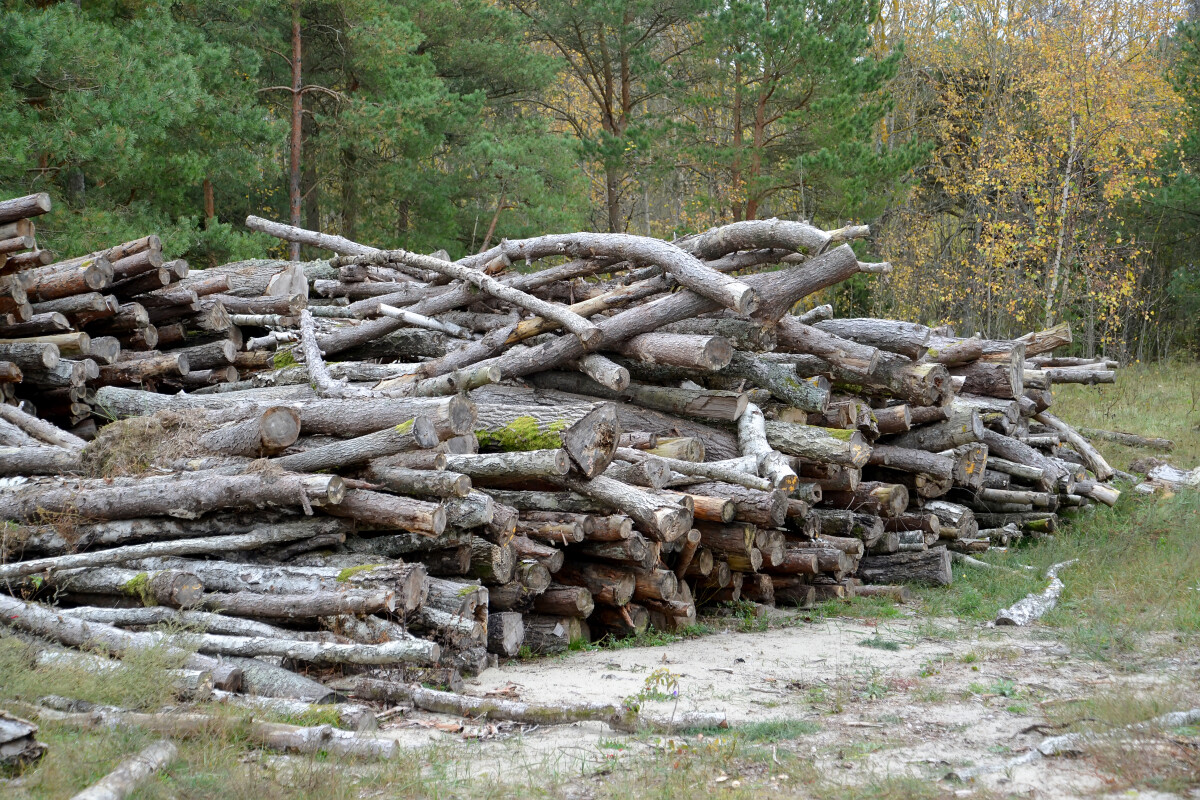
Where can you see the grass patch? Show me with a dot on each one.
(857, 607)
(1148, 399)
(776, 730)
(651, 637)
(139, 684)
(1164, 760)
(1134, 589)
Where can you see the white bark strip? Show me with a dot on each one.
(1034, 606)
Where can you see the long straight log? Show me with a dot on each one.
(410, 435)
(117, 555)
(905, 338)
(184, 496)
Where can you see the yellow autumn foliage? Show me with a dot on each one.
(1044, 119)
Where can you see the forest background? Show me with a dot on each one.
(1021, 162)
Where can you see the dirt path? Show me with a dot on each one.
(897, 697)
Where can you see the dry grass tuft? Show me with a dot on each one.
(132, 446)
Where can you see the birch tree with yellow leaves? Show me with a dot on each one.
(1046, 118)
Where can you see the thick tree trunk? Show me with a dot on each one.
(511, 418)
(929, 566)
(847, 448)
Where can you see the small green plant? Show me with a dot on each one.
(1005, 688)
(524, 652)
(879, 643)
(929, 694)
(662, 684)
(874, 690)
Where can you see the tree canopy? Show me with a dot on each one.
(1020, 163)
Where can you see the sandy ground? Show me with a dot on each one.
(951, 696)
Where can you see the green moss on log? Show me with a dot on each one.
(523, 433)
(349, 572)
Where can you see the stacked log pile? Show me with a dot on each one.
(435, 463)
(123, 316)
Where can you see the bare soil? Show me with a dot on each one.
(902, 697)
